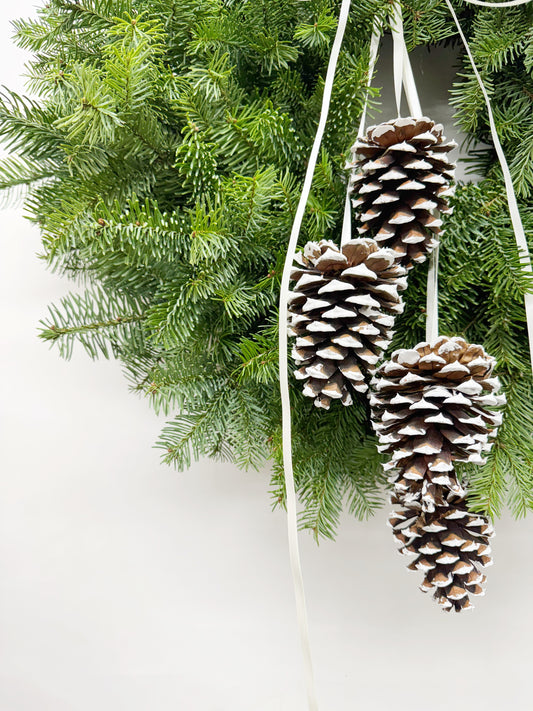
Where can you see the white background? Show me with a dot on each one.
(126, 585)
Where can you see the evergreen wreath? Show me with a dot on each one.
(163, 163)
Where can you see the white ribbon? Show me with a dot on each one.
(346, 234)
(432, 297)
(398, 53)
(373, 55)
(292, 519)
(403, 76)
(520, 236)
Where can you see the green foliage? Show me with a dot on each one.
(221, 429)
(336, 443)
(163, 163)
(101, 322)
(317, 34)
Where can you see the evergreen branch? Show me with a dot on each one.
(28, 128)
(317, 34)
(17, 175)
(55, 332)
(87, 318)
(191, 435)
(323, 504)
(259, 358)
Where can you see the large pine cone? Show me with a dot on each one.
(432, 406)
(451, 545)
(400, 180)
(342, 311)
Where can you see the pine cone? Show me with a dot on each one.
(432, 407)
(342, 311)
(450, 544)
(400, 179)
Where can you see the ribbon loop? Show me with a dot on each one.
(292, 517)
(398, 54)
(403, 76)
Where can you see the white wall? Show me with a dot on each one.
(125, 585)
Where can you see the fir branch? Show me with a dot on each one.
(100, 322)
(189, 436)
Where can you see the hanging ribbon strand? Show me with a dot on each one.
(292, 518)
(346, 234)
(398, 55)
(403, 77)
(516, 220)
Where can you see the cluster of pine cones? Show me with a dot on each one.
(433, 405)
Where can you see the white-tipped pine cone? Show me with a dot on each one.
(400, 182)
(342, 310)
(432, 406)
(451, 547)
